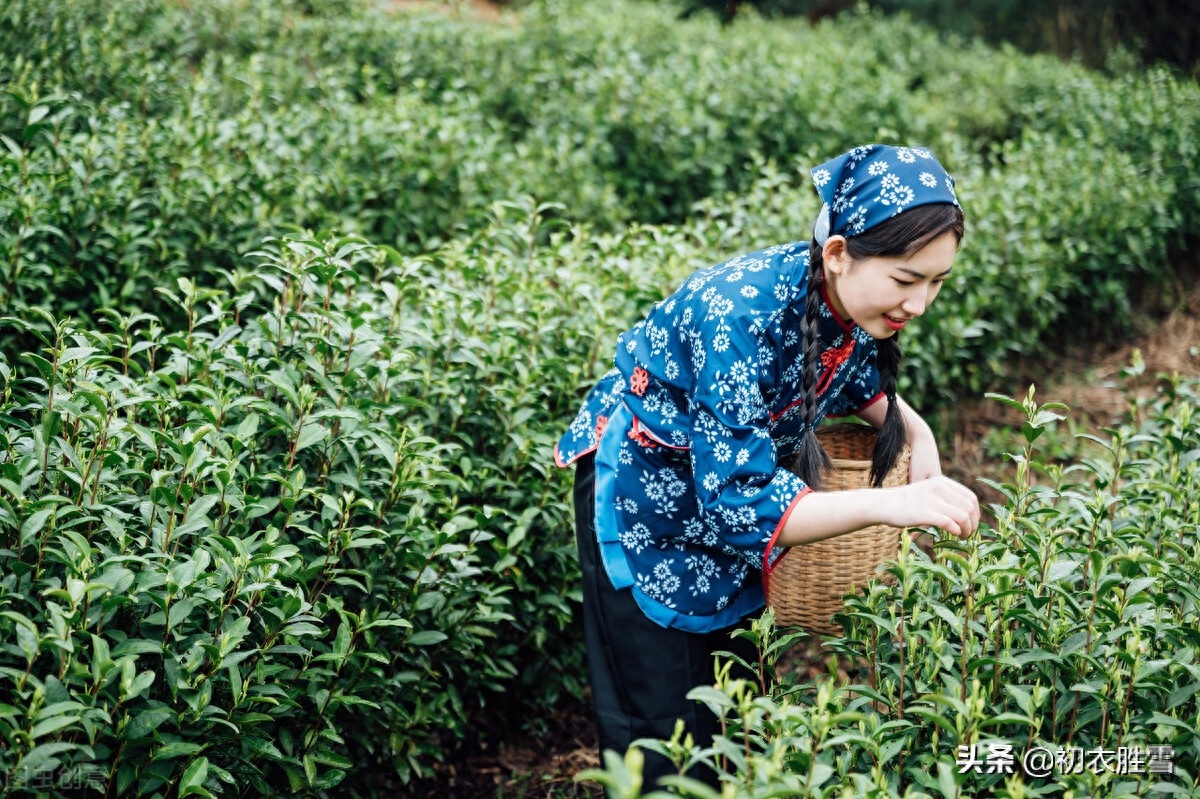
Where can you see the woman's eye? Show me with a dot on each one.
(900, 282)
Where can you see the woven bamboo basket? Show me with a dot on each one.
(806, 585)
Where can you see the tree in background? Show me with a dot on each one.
(1090, 30)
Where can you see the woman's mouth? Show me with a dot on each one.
(893, 323)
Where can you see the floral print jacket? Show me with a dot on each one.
(692, 424)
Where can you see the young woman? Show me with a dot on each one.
(679, 493)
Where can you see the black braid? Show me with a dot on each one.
(892, 435)
(811, 460)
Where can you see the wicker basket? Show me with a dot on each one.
(806, 585)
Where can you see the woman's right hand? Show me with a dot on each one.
(936, 502)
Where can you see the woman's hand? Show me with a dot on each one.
(936, 502)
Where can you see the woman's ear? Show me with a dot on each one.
(835, 255)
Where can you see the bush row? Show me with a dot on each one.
(164, 139)
(301, 538)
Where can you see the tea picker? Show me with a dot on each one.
(697, 457)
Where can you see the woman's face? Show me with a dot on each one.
(880, 294)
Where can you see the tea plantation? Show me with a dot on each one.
(295, 298)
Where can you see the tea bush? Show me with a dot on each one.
(1072, 623)
(382, 424)
(163, 140)
(289, 518)
(230, 562)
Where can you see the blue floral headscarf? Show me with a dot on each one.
(873, 183)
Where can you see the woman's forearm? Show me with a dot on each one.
(824, 514)
(936, 501)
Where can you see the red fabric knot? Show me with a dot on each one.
(642, 439)
(831, 359)
(834, 356)
(639, 381)
(601, 423)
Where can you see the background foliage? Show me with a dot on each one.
(1106, 34)
(297, 297)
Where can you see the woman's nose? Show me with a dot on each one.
(916, 302)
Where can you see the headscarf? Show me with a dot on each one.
(874, 182)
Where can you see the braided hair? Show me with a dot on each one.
(900, 236)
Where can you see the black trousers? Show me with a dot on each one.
(640, 672)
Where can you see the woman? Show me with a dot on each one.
(679, 493)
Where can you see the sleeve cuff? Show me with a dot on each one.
(768, 563)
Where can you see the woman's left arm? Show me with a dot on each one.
(925, 461)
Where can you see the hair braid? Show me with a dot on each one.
(811, 460)
(892, 434)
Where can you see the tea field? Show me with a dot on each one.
(296, 297)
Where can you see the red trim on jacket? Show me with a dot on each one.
(767, 567)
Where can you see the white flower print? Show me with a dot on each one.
(721, 342)
(583, 423)
(906, 155)
(722, 452)
(922, 152)
(663, 583)
(821, 177)
(928, 180)
(627, 505)
(636, 538)
(781, 290)
(624, 456)
(859, 153)
(672, 370)
(950, 186)
(843, 201)
(658, 337)
(742, 518)
(721, 306)
(706, 425)
(877, 168)
(740, 372)
(742, 457)
(894, 193)
(711, 481)
(857, 220)
(749, 292)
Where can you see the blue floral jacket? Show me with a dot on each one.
(691, 426)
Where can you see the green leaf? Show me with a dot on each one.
(175, 749)
(310, 434)
(426, 638)
(192, 781)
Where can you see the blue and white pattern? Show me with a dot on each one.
(691, 424)
(873, 183)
